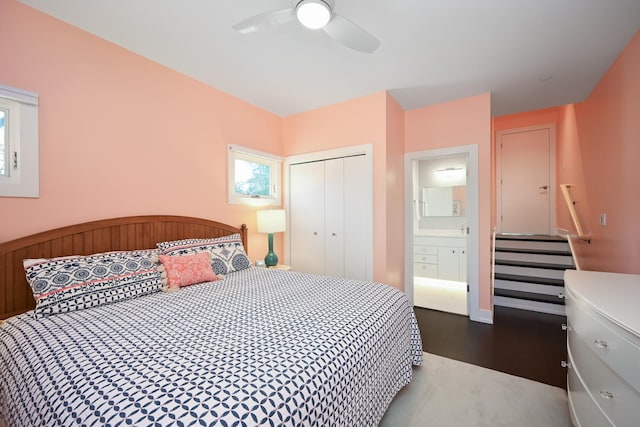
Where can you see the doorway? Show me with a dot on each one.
(525, 177)
(441, 229)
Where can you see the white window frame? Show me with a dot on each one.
(271, 160)
(22, 145)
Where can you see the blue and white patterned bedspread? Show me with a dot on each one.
(261, 347)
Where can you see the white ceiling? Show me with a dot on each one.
(529, 54)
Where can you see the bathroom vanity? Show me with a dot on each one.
(440, 254)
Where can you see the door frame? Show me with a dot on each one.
(551, 127)
(354, 150)
(473, 224)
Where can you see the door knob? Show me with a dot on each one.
(544, 187)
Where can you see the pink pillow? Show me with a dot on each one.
(185, 270)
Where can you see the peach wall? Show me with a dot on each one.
(530, 118)
(355, 122)
(570, 170)
(609, 134)
(119, 134)
(461, 122)
(395, 192)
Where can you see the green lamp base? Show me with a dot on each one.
(271, 259)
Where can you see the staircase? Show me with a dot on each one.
(529, 272)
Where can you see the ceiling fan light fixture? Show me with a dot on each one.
(313, 14)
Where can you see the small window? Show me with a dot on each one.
(254, 177)
(18, 143)
(4, 143)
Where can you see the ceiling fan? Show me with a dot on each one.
(314, 14)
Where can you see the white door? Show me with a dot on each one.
(334, 217)
(358, 217)
(525, 182)
(306, 214)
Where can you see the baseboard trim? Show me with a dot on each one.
(484, 316)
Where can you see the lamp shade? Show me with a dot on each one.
(271, 221)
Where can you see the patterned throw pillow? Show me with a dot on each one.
(227, 253)
(185, 270)
(77, 282)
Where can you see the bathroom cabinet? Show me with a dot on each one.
(440, 257)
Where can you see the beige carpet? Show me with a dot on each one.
(446, 392)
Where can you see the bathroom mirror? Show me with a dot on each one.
(443, 201)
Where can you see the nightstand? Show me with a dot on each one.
(281, 267)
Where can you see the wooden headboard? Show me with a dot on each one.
(127, 233)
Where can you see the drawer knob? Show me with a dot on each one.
(565, 364)
(565, 327)
(601, 343)
(606, 394)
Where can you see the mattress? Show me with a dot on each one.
(261, 347)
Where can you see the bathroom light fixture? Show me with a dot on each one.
(450, 173)
(271, 221)
(313, 14)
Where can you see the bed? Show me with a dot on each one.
(253, 346)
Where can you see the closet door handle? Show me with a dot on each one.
(607, 395)
(601, 343)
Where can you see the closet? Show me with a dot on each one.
(330, 211)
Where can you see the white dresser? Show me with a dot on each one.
(603, 343)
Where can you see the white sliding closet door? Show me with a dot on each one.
(334, 217)
(358, 217)
(330, 217)
(307, 217)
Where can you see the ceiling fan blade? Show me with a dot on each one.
(351, 35)
(265, 20)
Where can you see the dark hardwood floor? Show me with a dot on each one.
(522, 343)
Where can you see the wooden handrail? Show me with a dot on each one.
(574, 215)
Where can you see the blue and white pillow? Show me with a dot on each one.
(227, 253)
(77, 282)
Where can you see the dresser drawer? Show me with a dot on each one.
(425, 259)
(425, 270)
(425, 250)
(619, 354)
(617, 399)
(584, 411)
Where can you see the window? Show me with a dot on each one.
(18, 143)
(4, 143)
(254, 177)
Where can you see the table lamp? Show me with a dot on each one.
(271, 221)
